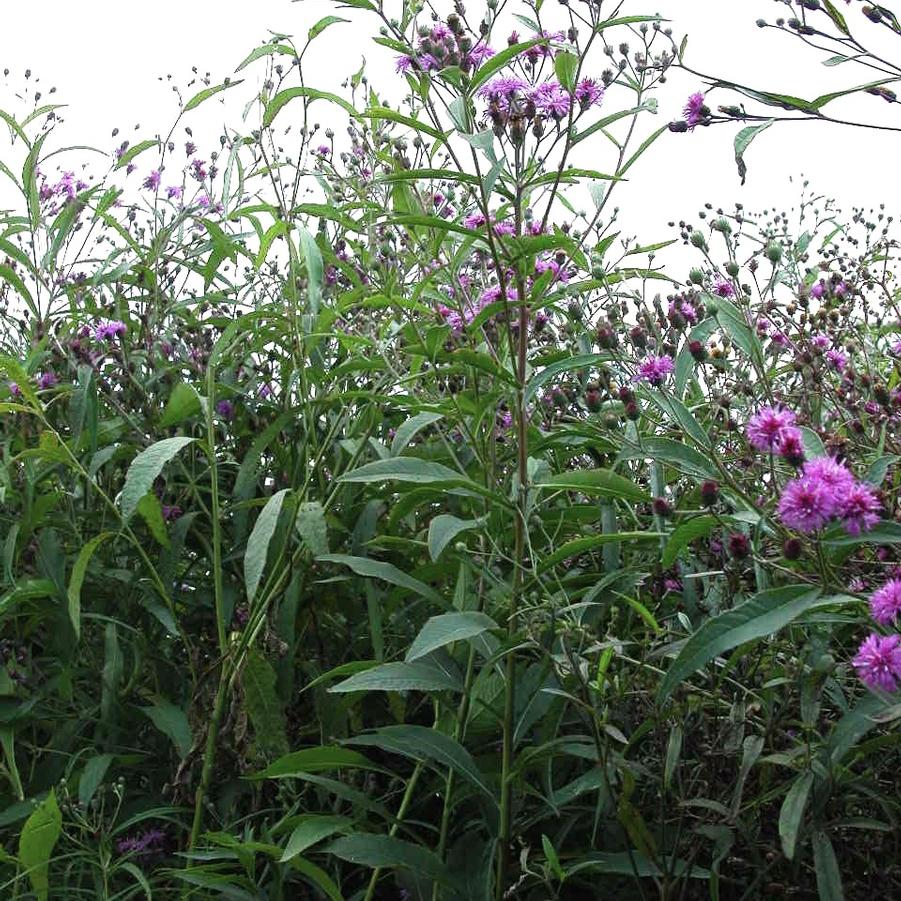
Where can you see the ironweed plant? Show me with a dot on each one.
(381, 522)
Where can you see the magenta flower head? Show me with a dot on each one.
(655, 370)
(722, 287)
(806, 504)
(551, 100)
(225, 408)
(695, 111)
(768, 427)
(588, 93)
(152, 182)
(46, 380)
(885, 602)
(14, 389)
(835, 476)
(790, 446)
(110, 329)
(859, 508)
(174, 192)
(878, 662)
(818, 290)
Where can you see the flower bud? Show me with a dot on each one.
(710, 492)
(792, 548)
(696, 276)
(773, 251)
(739, 546)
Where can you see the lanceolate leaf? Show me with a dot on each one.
(446, 628)
(762, 615)
(387, 572)
(600, 482)
(258, 543)
(144, 470)
(36, 842)
(418, 676)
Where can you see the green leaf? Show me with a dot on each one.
(418, 676)
(76, 580)
(446, 628)
(321, 759)
(765, 613)
(499, 61)
(829, 877)
(568, 364)
(312, 527)
(274, 107)
(421, 743)
(91, 777)
(183, 403)
(405, 469)
(602, 482)
(133, 151)
(311, 830)
(791, 813)
(684, 458)
(837, 18)
(151, 511)
(313, 258)
(36, 842)
(387, 572)
(206, 93)
(583, 545)
(307, 868)
(878, 469)
(408, 430)
(322, 24)
(684, 534)
(742, 142)
(258, 543)
(172, 721)
(444, 528)
(15, 372)
(387, 852)
(263, 705)
(565, 66)
(144, 469)
(266, 50)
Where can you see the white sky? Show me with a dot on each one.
(105, 58)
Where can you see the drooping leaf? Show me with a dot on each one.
(144, 470)
(258, 543)
(172, 721)
(445, 628)
(417, 676)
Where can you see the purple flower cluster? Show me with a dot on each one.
(878, 662)
(773, 430)
(824, 491)
(655, 369)
(110, 329)
(511, 95)
(145, 844)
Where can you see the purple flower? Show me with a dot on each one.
(685, 309)
(806, 504)
(820, 342)
(502, 90)
(145, 844)
(550, 98)
(722, 287)
(859, 508)
(588, 93)
(190, 148)
(878, 662)
(818, 290)
(791, 445)
(479, 54)
(171, 512)
(323, 150)
(225, 408)
(46, 380)
(835, 476)
(14, 389)
(655, 370)
(474, 220)
(109, 329)
(766, 428)
(694, 110)
(152, 182)
(198, 172)
(885, 602)
(837, 360)
(174, 192)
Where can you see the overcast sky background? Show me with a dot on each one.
(105, 58)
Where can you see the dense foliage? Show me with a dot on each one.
(379, 521)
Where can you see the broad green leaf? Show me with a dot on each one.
(36, 842)
(878, 469)
(387, 572)
(312, 527)
(445, 628)
(565, 67)
(602, 482)
(144, 470)
(263, 705)
(322, 24)
(665, 450)
(76, 580)
(444, 528)
(258, 543)
(266, 50)
(282, 97)
(421, 743)
(405, 469)
(206, 93)
(172, 721)
(791, 814)
(386, 852)
(583, 545)
(685, 533)
(764, 614)
(307, 868)
(408, 430)
(321, 759)
(92, 776)
(183, 403)
(825, 864)
(311, 830)
(418, 676)
(742, 142)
